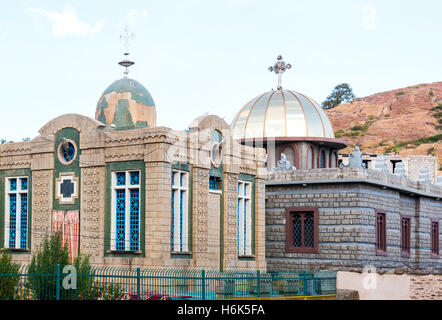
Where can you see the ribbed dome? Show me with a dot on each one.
(126, 104)
(282, 113)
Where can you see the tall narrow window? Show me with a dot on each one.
(126, 211)
(435, 238)
(302, 230)
(16, 207)
(405, 236)
(322, 160)
(180, 212)
(244, 218)
(381, 234)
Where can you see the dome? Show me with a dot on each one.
(280, 114)
(126, 104)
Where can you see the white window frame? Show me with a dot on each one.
(177, 190)
(18, 221)
(244, 218)
(127, 187)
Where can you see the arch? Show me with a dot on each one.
(322, 158)
(292, 154)
(310, 157)
(333, 159)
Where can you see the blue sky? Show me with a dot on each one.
(199, 57)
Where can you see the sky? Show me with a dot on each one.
(200, 57)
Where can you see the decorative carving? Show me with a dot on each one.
(354, 160)
(283, 164)
(41, 205)
(400, 170)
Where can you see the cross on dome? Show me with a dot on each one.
(279, 68)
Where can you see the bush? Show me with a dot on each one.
(42, 279)
(9, 278)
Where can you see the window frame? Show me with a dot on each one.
(127, 187)
(381, 235)
(289, 247)
(434, 239)
(405, 237)
(18, 214)
(184, 246)
(245, 239)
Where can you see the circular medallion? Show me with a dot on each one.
(67, 151)
(216, 154)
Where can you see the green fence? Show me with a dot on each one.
(116, 283)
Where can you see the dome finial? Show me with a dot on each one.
(279, 68)
(125, 38)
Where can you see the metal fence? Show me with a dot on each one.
(117, 283)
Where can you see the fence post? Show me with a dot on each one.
(259, 283)
(304, 278)
(203, 284)
(57, 286)
(138, 283)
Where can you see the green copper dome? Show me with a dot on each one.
(126, 104)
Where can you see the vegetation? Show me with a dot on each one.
(415, 143)
(400, 93)
(431, 152)
(52, 253)
(387, 115)
(10, 279)
(431, 93)
(340, 94)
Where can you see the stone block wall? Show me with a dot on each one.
(347, 201)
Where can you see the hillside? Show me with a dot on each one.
(405, 121)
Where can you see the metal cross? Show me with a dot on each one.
(126, 37)
(279, 68)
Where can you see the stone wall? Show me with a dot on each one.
(376, 286)
(347, 200)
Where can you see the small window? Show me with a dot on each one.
(214, 184)
(381, 234)
(302, 230)
(405, 236)
(435, 238)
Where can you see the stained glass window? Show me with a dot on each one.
(16, 219)
(301, 234)
(126, 211)
(213, 183)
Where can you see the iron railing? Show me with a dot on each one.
(117, 283)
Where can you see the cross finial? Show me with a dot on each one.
(126, 37)
(279, 68)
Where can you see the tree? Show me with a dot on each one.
(341, 93)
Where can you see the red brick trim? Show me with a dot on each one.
(289, 248)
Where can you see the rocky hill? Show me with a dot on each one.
(405, 121)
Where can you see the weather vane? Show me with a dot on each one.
(126, 37)
(279, 68)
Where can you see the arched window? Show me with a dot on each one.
(310, 158)
(291, 155)
(333, 159)
(322, 159)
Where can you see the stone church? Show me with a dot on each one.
(265, 192)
